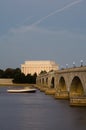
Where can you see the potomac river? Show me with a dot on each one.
(37, 111)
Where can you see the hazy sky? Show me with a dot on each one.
(42, 30)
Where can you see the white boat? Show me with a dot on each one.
(25, 90)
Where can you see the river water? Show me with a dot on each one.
(37, 111)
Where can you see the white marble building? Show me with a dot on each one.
(30, 67)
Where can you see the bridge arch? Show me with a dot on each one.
(42, 80)
(62, 84)
(52, 82)
(47, 80)
(76, 88)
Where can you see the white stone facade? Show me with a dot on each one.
(30, 67)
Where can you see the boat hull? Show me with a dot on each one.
(21, 90)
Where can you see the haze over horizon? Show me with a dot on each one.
(42, 30)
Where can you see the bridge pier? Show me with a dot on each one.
(41, 88)
(78, 101)
(50, 91)
(62, 95)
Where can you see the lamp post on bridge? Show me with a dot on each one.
(74, 65)
(81, 63)
(66, 66)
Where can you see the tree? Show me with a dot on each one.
(43, 72)
(19, 78)
(8, 73)
(1, 73)
(28, 78)
(34, 76)
(31, 78)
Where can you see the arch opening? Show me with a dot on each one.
(62, 84)
(42, 80)
(47, 81)
(52, 82)
(76, 88)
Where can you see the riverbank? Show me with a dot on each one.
(22, 85)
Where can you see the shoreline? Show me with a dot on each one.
(22, 85)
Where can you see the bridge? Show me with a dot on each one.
(67, 83)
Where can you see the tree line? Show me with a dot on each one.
(18, 76)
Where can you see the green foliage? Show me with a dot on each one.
(18, 76)
(1, 73)
(43, 72)
(8, 73)
(31, 78)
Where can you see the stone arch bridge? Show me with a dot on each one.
(64, 84)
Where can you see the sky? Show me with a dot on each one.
(42, 30)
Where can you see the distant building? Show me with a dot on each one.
(30, 67)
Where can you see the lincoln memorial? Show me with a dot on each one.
(30, 67)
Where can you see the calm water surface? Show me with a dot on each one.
(37, 111)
